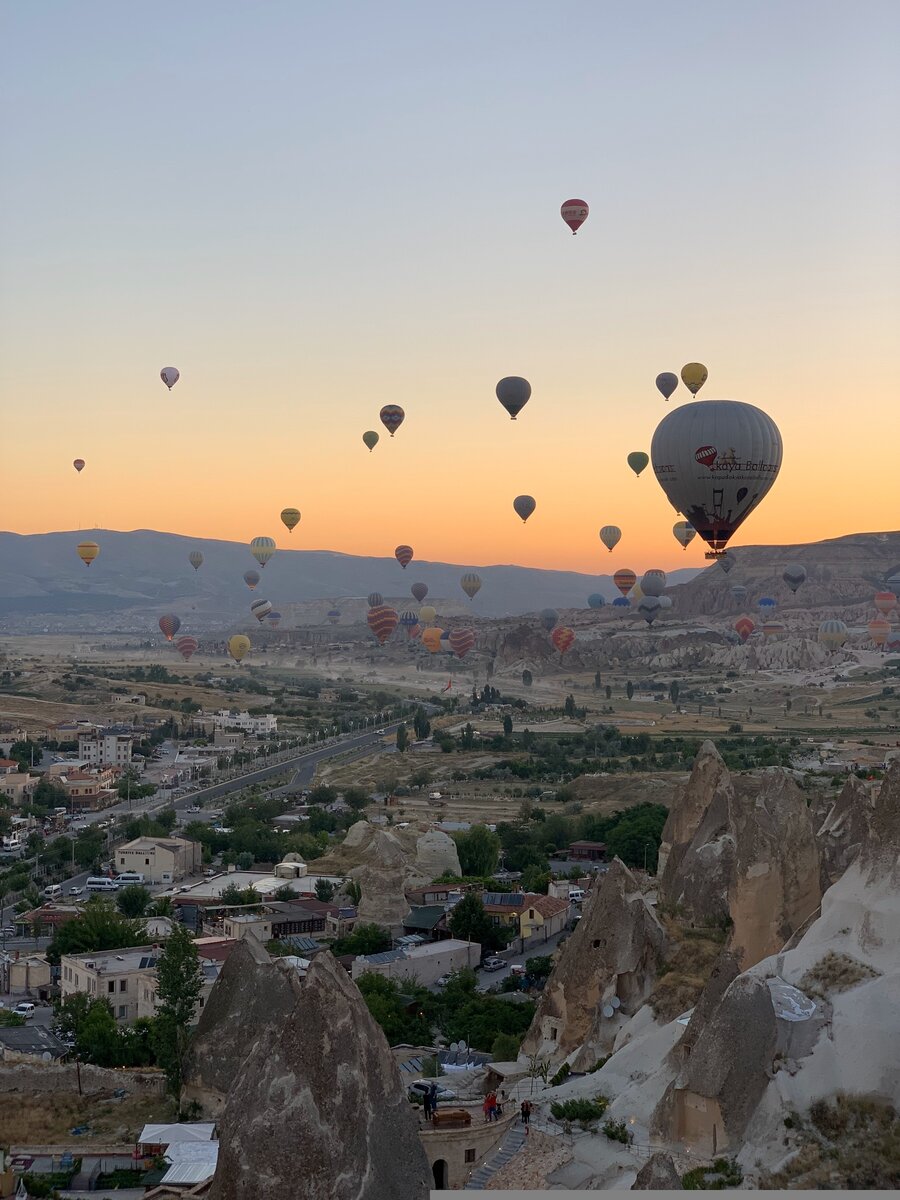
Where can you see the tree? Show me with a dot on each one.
(569, 706)
(469, 922)
(608, 692)
(285, 892)
(353, 890)
(384, 1002)
(132, 901)
(505, 1047)
(97, 1037)
(99, 927)
(629, 689)
(598, 683)
(527, 678)
(245, 860)
(322, 795)
(402, 738)
(355, 798)
(366, 938)
(421, 724)
(324, 890)
(179, 982)
(26, 753)
(673, 692)
(479, 851)
(507, 725)
(467, 738)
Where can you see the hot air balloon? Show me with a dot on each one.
(87, 552)
(653, 582)
(610, 536)
(693, 376)
(78, 464)
(636, 593)
(595, 600)
(621, 602)
(524, 506)
(419, 591)
(170, 376)
(879, 631)
(273, 618)
(794, 574)
(739, 592)
(186, 646)
(290, 518)
(513, 392)
(404, 556)
(382, 620)
(665, 602)
(684, 533)
(885, 602)
(461, 641)
(260, 609)
(648, 607)
(637, 460)
(666, 383)
(408, 618)
(251, 578)
(562, 638)
(549, 618)
(370, 439)
(767, 604)
(238, 646)
(195, 558)
(427, 614)
(392, 417)
(262, 549)
(772, 630)
(334, 615)
(743, 627)
(169, 624)
(471, 584)
(574, 213)
(624, 580)
(375, 599)
(726, 562)
(833, 634)
(716, 460)
(431, 639)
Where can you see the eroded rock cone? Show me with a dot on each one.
(658, 1174)
(845, 829)
(317, 1108)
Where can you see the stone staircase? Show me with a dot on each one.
(512, 1143)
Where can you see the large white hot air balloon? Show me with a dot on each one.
(610, 536)
(716, 460)
(833, 634)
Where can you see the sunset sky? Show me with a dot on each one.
(313, 210)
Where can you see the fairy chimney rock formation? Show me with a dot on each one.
(658, 1174)
(606, 972)
(318, 1108)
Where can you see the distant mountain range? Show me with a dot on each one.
(145, 571)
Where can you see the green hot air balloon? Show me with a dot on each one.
(370, 438)
(637, 460)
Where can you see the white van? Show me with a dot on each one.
(99, 883)
(24, 1009)
(52, 890)
(576, 895)
(130, 877)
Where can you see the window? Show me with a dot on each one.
(123, 985)
(146, 862)
(123, 1011)
(111, 985)
(531, 914)
(553, 1033)
(470, 1155)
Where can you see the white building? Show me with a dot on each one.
(105, 749)
(225, 719)
(425, 964)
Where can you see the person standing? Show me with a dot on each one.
(433, 1096)
(525, 1112)
(426, 1104)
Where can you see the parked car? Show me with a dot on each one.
(195, 808)
(443, 981)
(24, 1009)
(76, 891)
(493, 963)
(416, 1091)
(210, 872)
(380, 732)
(8, 931)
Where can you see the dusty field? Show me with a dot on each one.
(45, 1120)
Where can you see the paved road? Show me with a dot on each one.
(490, 979)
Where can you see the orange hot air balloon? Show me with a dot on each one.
(462, 641)
(743, 627)
(562, 638)
(169, 625)
(87, 552)
(624, 580)
(885, 602)
(382, 620)
(431, 639)
(879, 631)
(404, 556)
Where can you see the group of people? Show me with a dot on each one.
(493, 1109)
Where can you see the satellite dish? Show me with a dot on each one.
(46, 1056)
(608, 1010)
(454, 1046)
(463, 1046)
(616, 1002)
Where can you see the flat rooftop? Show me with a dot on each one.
(116, 962)
(208, 891)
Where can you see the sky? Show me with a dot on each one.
(314, 210)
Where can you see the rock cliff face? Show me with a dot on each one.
(250, 995)
(658, 1174)
(845, 828)
(741, 855)
(317, 1107)
(609, 963)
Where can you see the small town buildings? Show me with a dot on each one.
(281, 919)
(529, 915)
(226, 719)
(29, 976)
(17, 786)
(587, 851)
(126, 978)
(424, 963)
(89, 790)
(29, 1043)
(160, 860)
(48, 916)
(430, 920)
(105, 748)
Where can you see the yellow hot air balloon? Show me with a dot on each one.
(290, 517)
(431, 639)
(262, 549)
(87, 552)
(636, 594)
(427, 613)
(693, 376)
(238, 646)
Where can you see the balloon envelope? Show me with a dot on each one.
(419, 591)
(195, 558)
(693, 376)
(743, 627)
(427, 614)
(238, 646)
(382, 620)
(274, 618)
(879, 630)
(767, 604)
(334, 615)
(170, 376)
(471, 584)
(261, 608)
(262, 549)
(739, 593)
(648, 607)
(392, 416)
(726, 562)
(621, 602)
(562, 638)
(513, 392)
(78, 464)
(549, 618)
(653, 582)
(524, 506)
(431, 639)
(461, 641)
(637, 460)
(375, 599)
(833, 634)
(370, 439)
(574, 213)
(404, 556)
(666, 383)
(87, 552)
(186, 646)
(290, 518)
(251, 578)
(716, 460)
(684, 533)
(595, 600)
(169, 624)
(885, 602)
(794, 575)
(624, 580)
(610, 536)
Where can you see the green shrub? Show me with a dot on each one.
(723, 1173)
(580, 1110)
(617, 1131)
(561, 1075)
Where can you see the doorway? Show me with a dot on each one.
(439, 1171)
